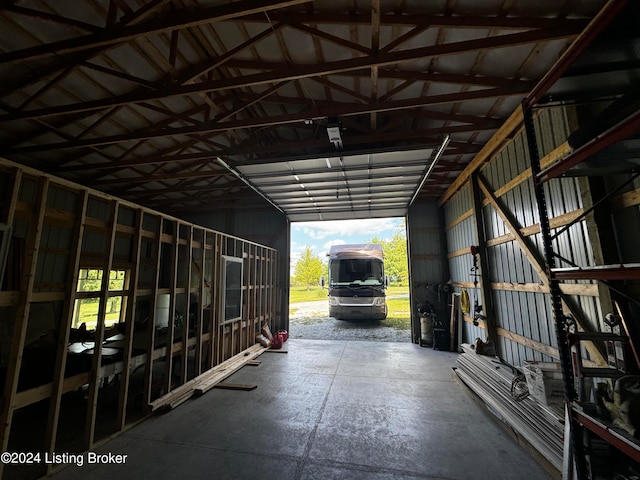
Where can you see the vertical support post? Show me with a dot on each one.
(485, 279)
(185, 322)
(23, 308)
(151, 325)
(65, 326)
(201, 303)
(172, 309)
(217, 291)
(95, 376)
(129, 322)
(10, 213)
(251, 285)
(564, 348)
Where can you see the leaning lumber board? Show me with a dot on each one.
(167, 400)
(228, 367)
(175, 401)
(236, 386)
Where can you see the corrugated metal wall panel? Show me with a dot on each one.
(629, 215)
(51, 269)
(523, 313)
(427, 260)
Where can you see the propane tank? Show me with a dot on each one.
(426, 329)
(427, 315)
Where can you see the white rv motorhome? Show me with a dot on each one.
(357, 282)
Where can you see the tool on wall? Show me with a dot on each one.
(465, 305)
(443, 288)
(477, 309)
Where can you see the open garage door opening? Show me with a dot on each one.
(350, 280)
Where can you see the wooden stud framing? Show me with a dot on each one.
(65, 328)
(16, 179)
(185, 321)
(151, 330)
(130, 313)
(527, 342)
(538, 266)
(514, 229)
(95, 377)
(201, 309)
(585, 289)
(496, 142)
(97, 213)
(168, 372)
(553, 156)
(217, 307)
(22, 314)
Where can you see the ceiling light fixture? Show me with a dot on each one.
(333, 130)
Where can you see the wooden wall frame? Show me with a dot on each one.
(5, 235)
(192, 270)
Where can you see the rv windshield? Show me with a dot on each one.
(359, 271)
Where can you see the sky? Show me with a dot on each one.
(321, 235)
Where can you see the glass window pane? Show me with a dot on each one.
(114, 311)
(86, 311)
(89, 280)
(117, 280)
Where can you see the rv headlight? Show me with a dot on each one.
(378, 301)
(333, 301)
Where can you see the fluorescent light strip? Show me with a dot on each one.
(249, 184)
(437, 156)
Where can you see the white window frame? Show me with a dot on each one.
(227, 261)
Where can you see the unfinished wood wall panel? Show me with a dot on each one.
(107, 306)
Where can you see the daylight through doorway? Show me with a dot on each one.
(353, 280)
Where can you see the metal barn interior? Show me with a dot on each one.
(154, 154)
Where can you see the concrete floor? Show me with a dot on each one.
(325, 410)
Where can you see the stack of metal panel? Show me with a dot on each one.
(541, 427)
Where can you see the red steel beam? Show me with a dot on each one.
(173, 21)
(355, 109)
(591, 31)
(301, 71)
(614, 437)
(606, 272)
(618, 132)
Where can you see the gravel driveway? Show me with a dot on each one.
(311, 320)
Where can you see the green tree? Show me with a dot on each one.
(308, 269)
(396, 264)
